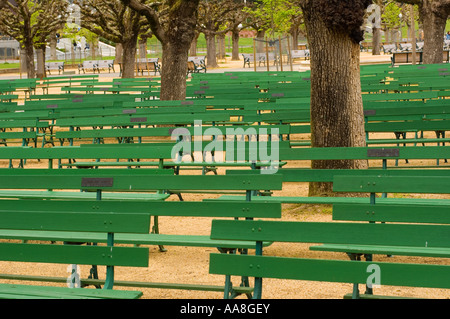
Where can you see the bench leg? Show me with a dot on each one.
(155, 230)
(355, 292)
(399, 135)
(440, 134)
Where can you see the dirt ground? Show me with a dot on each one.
(190, 264)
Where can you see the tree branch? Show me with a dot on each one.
(151, 16)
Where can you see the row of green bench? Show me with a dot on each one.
(100, 181)
(373, 227)
(380, 117)
(113, 223)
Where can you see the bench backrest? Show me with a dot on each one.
(140, 181)
(369, 153)
(32, 217)
(130, 120)
(332, 233)
(216, 131)
(197, 59)
(105, 63)
(327, 175)
(89, 64)
(93, 180)
(299, 53)
(393, 184)
(80, 222)
(430, 213)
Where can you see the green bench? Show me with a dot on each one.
(64, 80)
(7, 98)
(380, 160)
(140, 133)
(152, 119)
(23, 130)
(14, 86)
(183, 156)
(99, 182)
(148, 92)
(32, 216)
(409, 230)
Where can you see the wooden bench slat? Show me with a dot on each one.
(132, 183)
(334, 233)
(392, 213)
(436, 252)
(74, 221)
(102, 208)
(415, 275)
(333, 200)
(392, 184)
(12, 291)
(75, 254)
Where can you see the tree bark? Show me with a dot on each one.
(235, 45)
(40, 59)
(193, 47)
(434, 20)
(337, 118)
(211, 50)
(376, 41)
(119, 52)
(174, 70)
(294, 36)
(29, 57)
(53, 43)
(129, 57)
(221, 47)
(260, 46)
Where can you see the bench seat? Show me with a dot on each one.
(13, 291)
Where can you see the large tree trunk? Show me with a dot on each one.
(211, 50)
(119, 52)
(174, 69)
(294, 36)
(235, 45)
(221, 47)
(129, 57)
(29, 58)
(434, 20)
(193, 47)
(53, 43)
(260, 45)
(376, 41)
(337, 118)
(40, 58)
